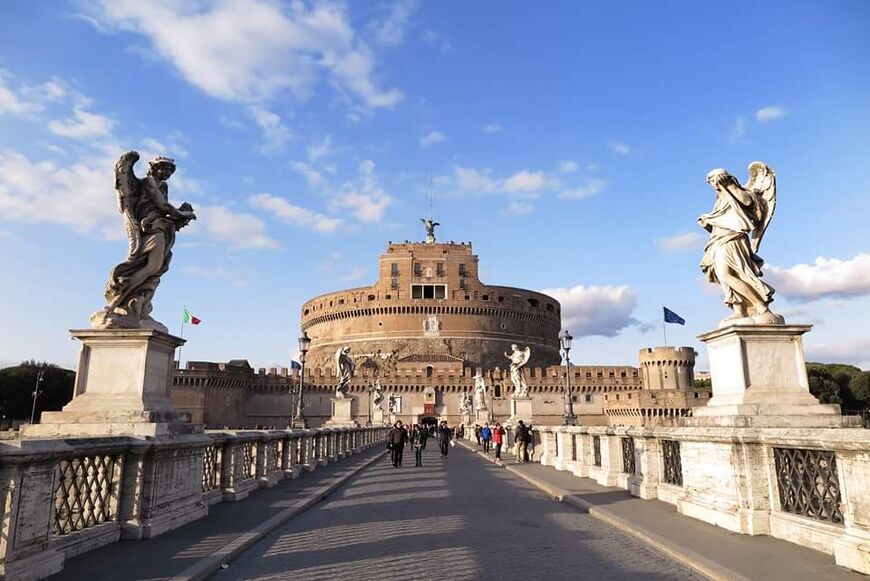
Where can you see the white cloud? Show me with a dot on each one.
(596, 310)
(319, 150)
(10, 102)
(526, 181)
(738, 131)
(365, 206)
(252, 50)
(437, 39)
(590, 187)
(275, 132)
(83, 125)
(79, 195)
(367, 167)
(470, 179)
(235, 229)
(391, 30)
(770, 113)
(680, 242)
(353, 273)
(234, 277)
(294, 214)
(568, 166)
(432, 138)
(825, 278)
(314, 177)
(491, 128)
(854, 352)
(517, 207)
(619, 148)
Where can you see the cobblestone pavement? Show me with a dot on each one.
(454, 519)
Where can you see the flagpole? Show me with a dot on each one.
(664, 327)
(180, 347)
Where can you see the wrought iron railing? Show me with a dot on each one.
(211, 467)
(628, 463)
(672, 461)
(86, 493)
(808, 483)
(596, 450)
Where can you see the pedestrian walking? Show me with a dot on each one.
(498, 439)
(418, 441)
(521, 439)
(445, 434)
(396, 439)
(477, 433)
(531, 446)
(486, 436)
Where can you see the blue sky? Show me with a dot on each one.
(568, 142)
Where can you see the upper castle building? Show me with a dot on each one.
(430, 305)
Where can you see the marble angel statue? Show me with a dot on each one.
(344, 370)
(737, 224)
(377, 395)
(479, 392)
(518, 358)
(429, 224)
(151, 223)
(465, 404)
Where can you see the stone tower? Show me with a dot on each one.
(667, 367)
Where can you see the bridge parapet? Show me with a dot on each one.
(805, 486)
(64, 497)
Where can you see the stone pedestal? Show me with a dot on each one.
(342, 413)
(122, 388)
(521, 409)
(481, 416)
(759, 379)
(378, 418)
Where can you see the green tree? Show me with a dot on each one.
(18, 382)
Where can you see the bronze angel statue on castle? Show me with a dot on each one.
(151, 223)
(737, 225)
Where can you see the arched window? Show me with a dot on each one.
(496, 390)
(429, 371)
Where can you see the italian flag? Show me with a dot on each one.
(187, 317)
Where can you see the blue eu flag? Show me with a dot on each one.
(672, 317)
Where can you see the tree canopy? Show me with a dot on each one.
(18, 382)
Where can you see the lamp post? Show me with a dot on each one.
(36, 391)
(568, 419)
(298, 420)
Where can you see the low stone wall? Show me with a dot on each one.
(64, 497)
(807, 486)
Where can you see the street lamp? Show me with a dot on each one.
(568, 419)
(36, 391)
(299, 419)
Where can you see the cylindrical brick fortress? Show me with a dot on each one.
(429, 303)
(667, 367)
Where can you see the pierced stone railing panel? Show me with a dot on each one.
(87, 492)
(628, 460)
(808, 484)
(673, 465)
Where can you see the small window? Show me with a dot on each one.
(371, 297)
(588, 374)
(418, 269)
(394, 283)
(440, 291)
(461, 270)
(417, 291)
(550, 308)
(600, 374)
(496, 391)
(611, 374)
(439, 269)
(501, 299)
(429, 371)
(534, 302)
(588, 398)
(394, 269)
(388, 296)
(485, 297)
(341, 301)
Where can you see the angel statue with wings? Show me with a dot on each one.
(518, 358)
(429, 224)
(151, 223)
(377, 394)
(479, 392)
(465, 404)
(736, 225)
(344, 369)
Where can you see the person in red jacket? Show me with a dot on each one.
(498, 439)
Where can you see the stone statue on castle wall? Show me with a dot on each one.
(377, 394)
(392, 404)
(479, 392)
(518, 358)
(737, 224)
(344, 370)
(150, 222)
(466, 406)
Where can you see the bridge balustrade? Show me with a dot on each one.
(806, 486)
(63, 497)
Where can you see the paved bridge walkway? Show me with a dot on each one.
(463, 518)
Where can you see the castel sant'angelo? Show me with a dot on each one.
(421, 333)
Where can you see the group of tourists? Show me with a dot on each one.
(524, 441)
(417, 437)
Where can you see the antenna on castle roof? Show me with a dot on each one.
(430, 223)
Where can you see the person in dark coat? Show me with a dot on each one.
(417, 438)
(396, 439)
(445, 434)
(522, 437)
